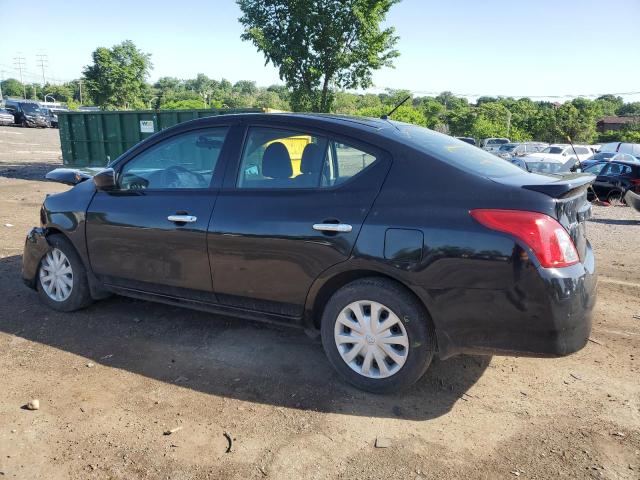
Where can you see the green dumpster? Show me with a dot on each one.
(94, 138)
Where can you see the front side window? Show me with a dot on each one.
(280, 158)
(185, 161)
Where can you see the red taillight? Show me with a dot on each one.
(549, 241)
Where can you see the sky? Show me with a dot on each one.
(543, 48)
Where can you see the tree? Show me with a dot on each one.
(116, 79)
(320, 44)
(12, 88)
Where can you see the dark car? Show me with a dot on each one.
(26, 113)
(469, 140)
(614, 179)
(396, 242)
(607, 157)
(52, 116)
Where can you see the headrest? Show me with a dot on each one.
(311, 161)
(276, 162)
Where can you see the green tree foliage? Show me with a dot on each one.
(318, 45)
(12, 88)
(117, 77)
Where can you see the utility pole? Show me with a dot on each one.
(42, 61)
(19, 63)
(1, 79)
(80, 86)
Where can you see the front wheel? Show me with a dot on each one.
(62, 278)
(377, 335)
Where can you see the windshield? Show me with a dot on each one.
(497, 141)
(30, 108)
(553, 150)
(507, 148)
(456, 153)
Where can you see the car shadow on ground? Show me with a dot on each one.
(222, 356)
(613, 221)
(27, 171)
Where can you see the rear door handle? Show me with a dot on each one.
(182, 218)
(333, 227)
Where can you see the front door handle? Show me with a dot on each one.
(333, 227)
(182, 218)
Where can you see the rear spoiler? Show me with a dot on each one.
(565, 186)
(72, 176)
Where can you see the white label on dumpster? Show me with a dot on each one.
(146, 126)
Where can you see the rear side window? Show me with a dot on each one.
(615, 170)
(280, 158)
(457, 153)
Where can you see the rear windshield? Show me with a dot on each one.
(455, 152)
(553, 150)
(507, 148)
(547, 167)
(603, 156)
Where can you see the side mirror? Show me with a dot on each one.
(105, 179)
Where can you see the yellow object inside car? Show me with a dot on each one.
(295, 146)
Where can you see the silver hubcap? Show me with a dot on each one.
(56, 275)
(371, 339)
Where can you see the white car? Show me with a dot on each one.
(622, 147)
(493, 144)
(562, 153)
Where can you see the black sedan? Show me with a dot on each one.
(396, 242)
(614, 179)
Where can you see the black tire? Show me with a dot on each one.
(80, 296)
(616, 196)
(24, 124)
(417, 323)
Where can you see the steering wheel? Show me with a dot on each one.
(171, 178)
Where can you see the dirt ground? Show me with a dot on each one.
(112, 378)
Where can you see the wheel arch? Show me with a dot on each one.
(329, 283)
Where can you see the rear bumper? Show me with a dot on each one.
(35, 246)
(546, 313)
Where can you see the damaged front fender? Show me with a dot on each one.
(35, 246)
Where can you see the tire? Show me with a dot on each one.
(68, 265)
(411, 325)
(616, 197)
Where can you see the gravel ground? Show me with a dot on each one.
(113, 378)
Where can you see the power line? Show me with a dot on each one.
(19, 62)
(42, 59)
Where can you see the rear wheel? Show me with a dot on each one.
(616, 198)
(62, 278)
(377, 335)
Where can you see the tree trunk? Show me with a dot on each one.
(325, 91)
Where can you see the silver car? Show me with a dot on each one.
(6, 118)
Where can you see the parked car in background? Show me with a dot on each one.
(622, 147)
(338, 242)
(614, 178)
(26, 113)
(493, 144)
(6, 117)
(469, 140)
(51, 115)
(562, 153)
(510, 150)
(609, 157)
(535, 165)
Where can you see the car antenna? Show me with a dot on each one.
(574, 152)
(386, 117)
